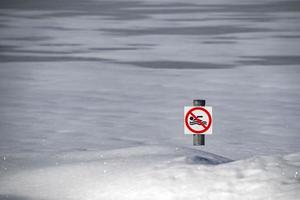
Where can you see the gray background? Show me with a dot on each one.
(97, 75)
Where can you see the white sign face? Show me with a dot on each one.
(198, 120)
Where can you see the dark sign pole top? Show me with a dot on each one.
(199, 102)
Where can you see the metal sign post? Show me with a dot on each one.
(198, 139)
(198, 121)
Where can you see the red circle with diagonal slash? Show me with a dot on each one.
(190, 112)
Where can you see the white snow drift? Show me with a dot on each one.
(157, 173)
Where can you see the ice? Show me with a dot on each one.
(92, 96)
(52, 107)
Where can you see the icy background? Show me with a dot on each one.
(92, 95)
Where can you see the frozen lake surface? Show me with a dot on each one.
(83, 80)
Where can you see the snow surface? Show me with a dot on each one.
(92, 96)
(155, 172)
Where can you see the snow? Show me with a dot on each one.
(92, 96)
(155, 172)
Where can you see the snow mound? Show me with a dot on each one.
(163, 174)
